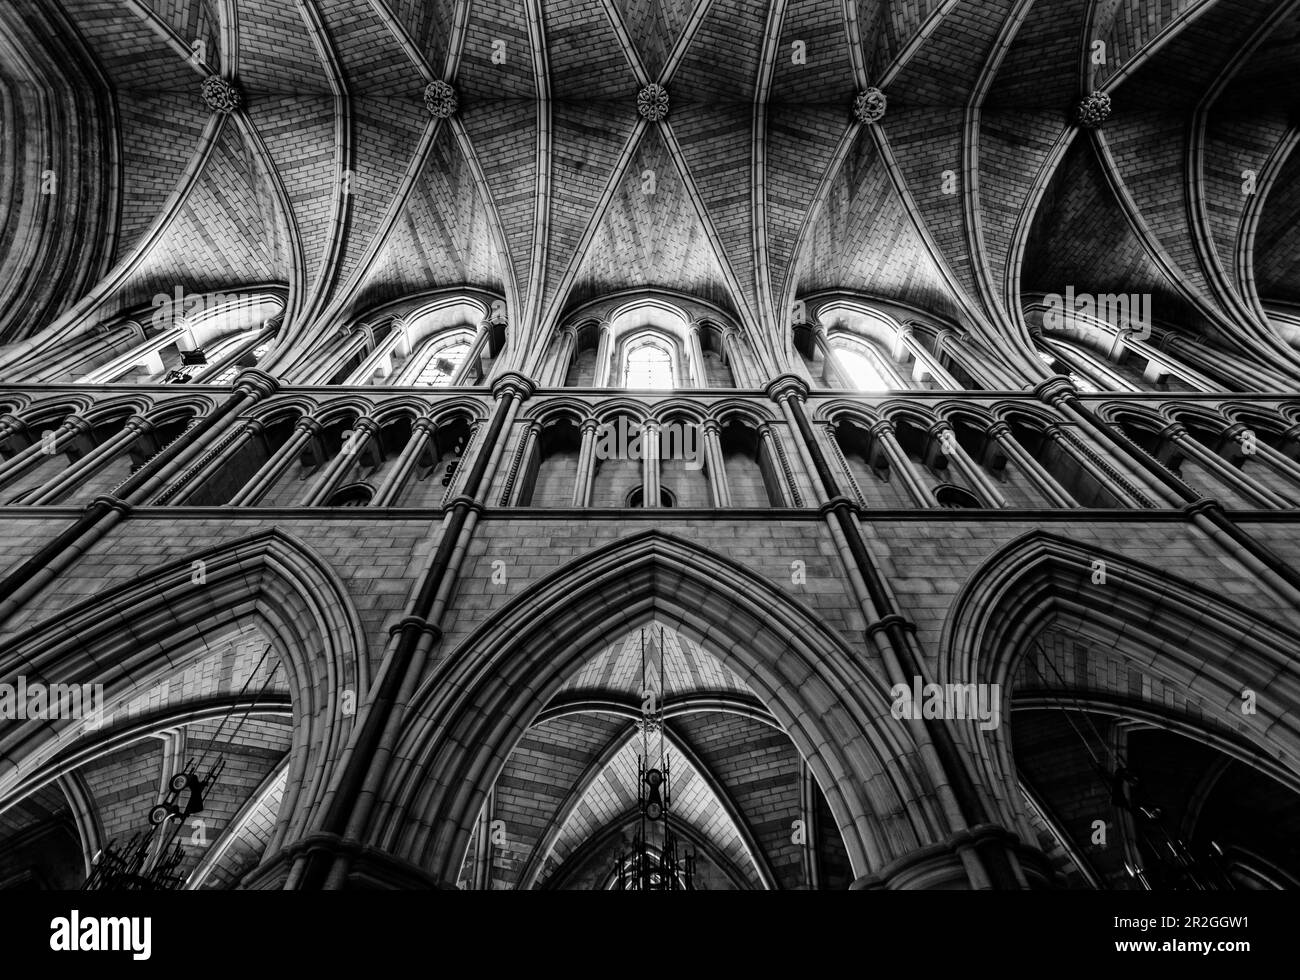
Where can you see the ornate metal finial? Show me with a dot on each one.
(870, 105)
(440, 99)
(220, 94)
(652, 102)
(1094, 110)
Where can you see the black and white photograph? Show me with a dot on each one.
(456, 446)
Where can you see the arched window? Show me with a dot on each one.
(666, 497)
(228, 375)
(649, 365)
(951, 496)
(861, 369)
(441, 365)
(354, 495)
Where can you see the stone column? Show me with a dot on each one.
(516, 476)
(900, 464)
(1281, 463)
(924, 357)
(586, 464)
(273, 469)
(830, 365)
(600, 379)
(979, 480)
(650, 463)
(363, 430)
(1034, 471)
(828, 430)
(563, 357)
(73, 427)
(9, 424)
(715, 465)
(696, 352)
(782, 391)
(1056, 433)
(177, 490)
(92, 462)
(390, 488)
(735, 359)
(1220, 467)
(475, 351)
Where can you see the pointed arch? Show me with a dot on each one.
(1162, 625)
(129, 637)
(468, 715)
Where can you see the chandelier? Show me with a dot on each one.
(151, 859)
(646, 866)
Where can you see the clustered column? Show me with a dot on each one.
(1033, 470)
(586, 464)
(56, 441)
(975, 475)
(1220, 467)
(354, 443)
(416, 446)
(650, 464)
(715, 465)
(273, 469)
(92, 462)
(900, 464)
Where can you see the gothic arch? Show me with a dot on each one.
(1176, 630)
(467, 716)
(125, 638)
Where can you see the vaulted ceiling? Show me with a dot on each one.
(741, 798)
(548, 186)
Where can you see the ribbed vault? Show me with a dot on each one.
(546, 187)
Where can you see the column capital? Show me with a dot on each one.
(257, 383)
(1174, 430)
(366, 422)
(1055, 390)
(882, 428)
(514, 384)
(111, 502)
(309, 425)
(999, 429)
(786, 386)
(416, 624)
(1204, 505)
(589, 425)
(423, 424)
(76, 424)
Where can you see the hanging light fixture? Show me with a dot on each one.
(646, 867)
(150, 860)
